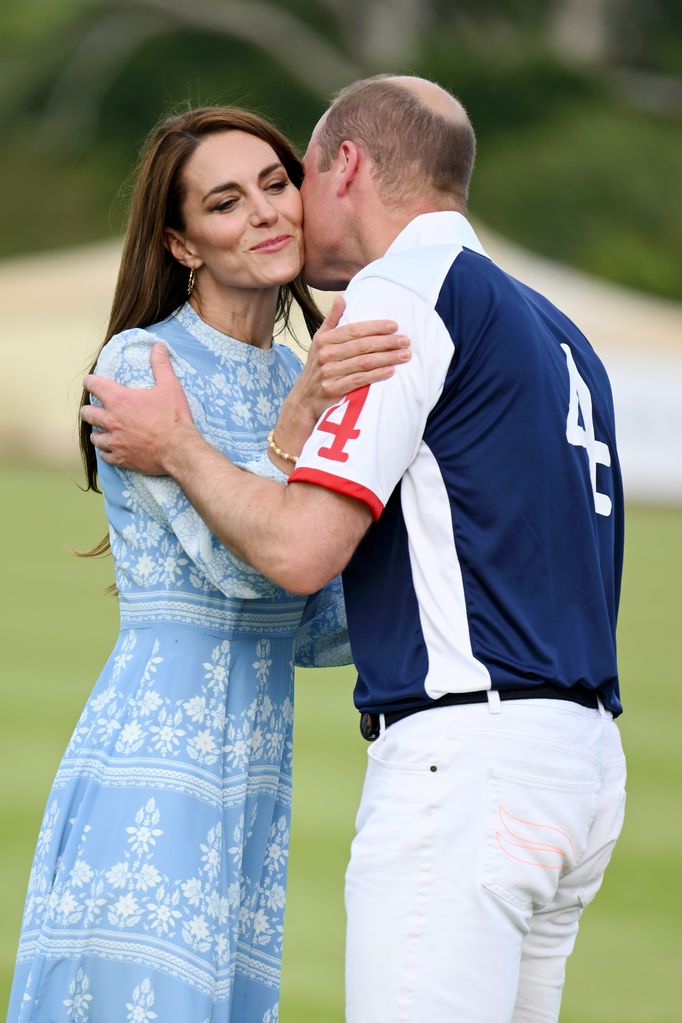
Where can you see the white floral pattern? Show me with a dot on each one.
(159, 879)
(138, 895)
(140, 1008)
(78, 1004)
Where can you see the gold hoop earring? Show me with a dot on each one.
(191, 280)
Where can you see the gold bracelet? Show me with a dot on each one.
(278, 451)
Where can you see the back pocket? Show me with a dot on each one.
(536, 831)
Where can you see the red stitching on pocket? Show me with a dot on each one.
(546, 851)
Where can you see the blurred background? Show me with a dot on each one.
(577, 106)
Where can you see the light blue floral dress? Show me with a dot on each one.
(158, 886)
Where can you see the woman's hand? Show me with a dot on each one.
(340, 360)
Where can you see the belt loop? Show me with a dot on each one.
(382, 724)
(603, 712)
(494, 705)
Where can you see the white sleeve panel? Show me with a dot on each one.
(362, 445)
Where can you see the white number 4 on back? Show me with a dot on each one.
(580, 402)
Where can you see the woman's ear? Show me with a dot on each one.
(178, 248)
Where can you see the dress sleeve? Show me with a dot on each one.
(125, 358)
(322, 637)
(262, 466)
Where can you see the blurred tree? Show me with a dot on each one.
(572, 99)
(617, 36)
(373, 34)
(104, 47)
(384, 33)
(585, 30)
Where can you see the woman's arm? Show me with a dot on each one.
(322, 637)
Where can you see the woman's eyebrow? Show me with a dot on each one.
(235, 184)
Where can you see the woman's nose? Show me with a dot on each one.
(262, 211)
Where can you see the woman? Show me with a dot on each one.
(157, 890)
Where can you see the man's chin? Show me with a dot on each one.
(324, 281)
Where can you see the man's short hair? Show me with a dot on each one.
(415, 150)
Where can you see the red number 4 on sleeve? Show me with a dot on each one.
(344, 430)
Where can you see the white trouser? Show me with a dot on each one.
(483, 831)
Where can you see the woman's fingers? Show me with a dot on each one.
(370, 332)
(344, 358)
(365, 362)
(338, 379)
(370, 344)
(345, 343)
(355, 380)
(333, 316)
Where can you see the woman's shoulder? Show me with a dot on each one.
(288, 358)
(127, 354)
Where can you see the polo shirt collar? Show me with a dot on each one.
(441, 228)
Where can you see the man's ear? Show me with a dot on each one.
(178, 247)
(349, 160)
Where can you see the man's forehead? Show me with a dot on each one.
(315, 133)
(310, 158)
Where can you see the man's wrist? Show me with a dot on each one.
(179, 448)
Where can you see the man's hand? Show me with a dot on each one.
(135, 426)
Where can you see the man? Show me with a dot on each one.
(482, 600)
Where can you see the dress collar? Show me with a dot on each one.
(222, 345)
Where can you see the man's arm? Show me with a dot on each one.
(300, 536)
(299, 539)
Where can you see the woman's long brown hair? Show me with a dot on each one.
(151, 283)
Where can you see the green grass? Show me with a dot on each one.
(57, 627)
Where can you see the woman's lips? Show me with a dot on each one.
(272, 244)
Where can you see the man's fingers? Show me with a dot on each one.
(101, 388)
(161, 364)
(96, 416)
(100, 441)
(108, 456)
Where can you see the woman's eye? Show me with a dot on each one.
(277, 186)
(225, 205)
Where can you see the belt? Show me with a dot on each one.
(370, 725)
